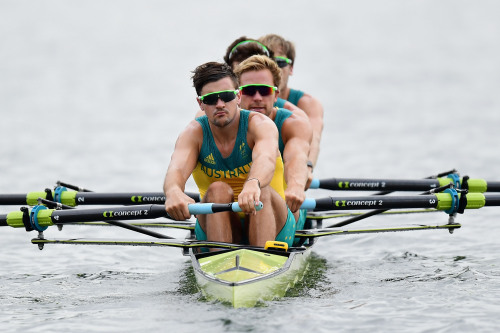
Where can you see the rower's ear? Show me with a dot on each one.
(238, 98)
(199, 103)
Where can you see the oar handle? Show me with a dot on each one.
(209, 208)
(309, 204)
(315, 183)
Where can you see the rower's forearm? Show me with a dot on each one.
(314, 148)
(317, 130)
(296, 171)
(260, 170)
(174, 181)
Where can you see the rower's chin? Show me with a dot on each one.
(259, 110)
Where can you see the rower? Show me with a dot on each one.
(284, 54)
(233, 156)
(259, 78)
(243, 48)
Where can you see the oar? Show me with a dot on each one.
(373, 184)
(81, 196)
(40, 217)
(452, 175)
(75, 198)
(447, 201)
(377, 211)
(127, 226)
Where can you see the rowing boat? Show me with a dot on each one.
(236, 274)
(246, 277)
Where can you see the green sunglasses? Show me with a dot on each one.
(213, 97)
(282, 61)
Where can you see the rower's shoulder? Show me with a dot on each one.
(298, 123)
(193, 128)
(298, 116)
(256, 119)
(190, 138)
(311, 106)
(261, 125)
(199, 113)
(307, 101)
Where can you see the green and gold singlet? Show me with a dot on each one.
(293, 97)
(234, 169)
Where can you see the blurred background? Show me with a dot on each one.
(96, 92)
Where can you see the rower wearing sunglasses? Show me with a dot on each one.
(259, 78)
(243, 48)
(284, 54)
(232, 155)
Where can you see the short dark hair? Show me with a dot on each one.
(243, 48)
(211, 72)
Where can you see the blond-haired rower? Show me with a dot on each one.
(259, 78)
(284, 55)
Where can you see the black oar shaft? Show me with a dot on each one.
(492, 199)
(3, 220)
(385, 192)
(368, 184)
(140, 198)
(111, 222)
(73, 198)
(371, 202)
(391, 185)
(493, 186)
(95, 198)
(98, 214)
(12, 199)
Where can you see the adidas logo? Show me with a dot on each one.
(243, 151)
(210, 159)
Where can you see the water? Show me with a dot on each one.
(95, 93)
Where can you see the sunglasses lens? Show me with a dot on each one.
(225, 96)
(252, 90)
(210, 99)
(281, 63)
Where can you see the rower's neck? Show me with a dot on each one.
(272, 115)
(284, 93)
(225, 137)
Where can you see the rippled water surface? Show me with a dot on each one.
(95, 93)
